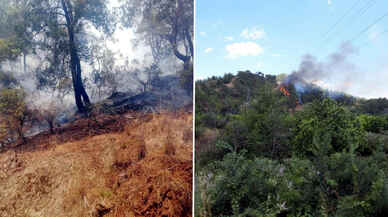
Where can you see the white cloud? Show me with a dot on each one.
(242, 49)
(329, 2)
(203, 34)
(198, 78)
(253, 33)
(259, 65)
(208, 50)
(229, 38)
(374, 32)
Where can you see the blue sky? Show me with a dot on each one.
(273, 36)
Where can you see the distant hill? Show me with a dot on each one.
(220, 101)
(228, 93)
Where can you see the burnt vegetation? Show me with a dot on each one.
(281, 146)
(56, 65)
(76, 103)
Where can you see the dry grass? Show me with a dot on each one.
(114, 174)
(169, 148)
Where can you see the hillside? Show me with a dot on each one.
(268, 147)
(132, 164)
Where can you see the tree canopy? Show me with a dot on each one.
(59, 29)
(167, 26)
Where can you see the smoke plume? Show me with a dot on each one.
(337, 66)
(336, 73)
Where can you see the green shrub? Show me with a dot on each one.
(330, 125)
(337, 185)
(14, 111)
(324, 160)
(372, 123)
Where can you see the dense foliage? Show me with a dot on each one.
(54, 28)
(262, 152)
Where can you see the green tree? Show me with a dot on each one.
(56, 27)
(241, 184)
(13, 40)
(266, 119)
(374, 106)
(292, 100)
(9, 49)
(371, 123)
(325, 122)
(104, 73)
(166, 26)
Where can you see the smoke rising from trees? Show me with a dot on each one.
(339, 72)
(337, 66)
(64, 53)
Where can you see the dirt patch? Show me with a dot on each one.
(231, 83)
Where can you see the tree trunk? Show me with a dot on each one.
(20, 131)
(24, 62)
(51, 126)
(81, 97)
(190, 42)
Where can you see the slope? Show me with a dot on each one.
(143, 168)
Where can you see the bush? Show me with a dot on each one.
(7, 80)
(14, 112)
(341, 185)
(262, 187)
(236, 133)
(374, 106)
(240, 183)
(325, 123)
(49, 114)
(372, 123)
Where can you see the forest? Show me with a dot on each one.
(58, 57)
(96, 108)
(267, 147)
